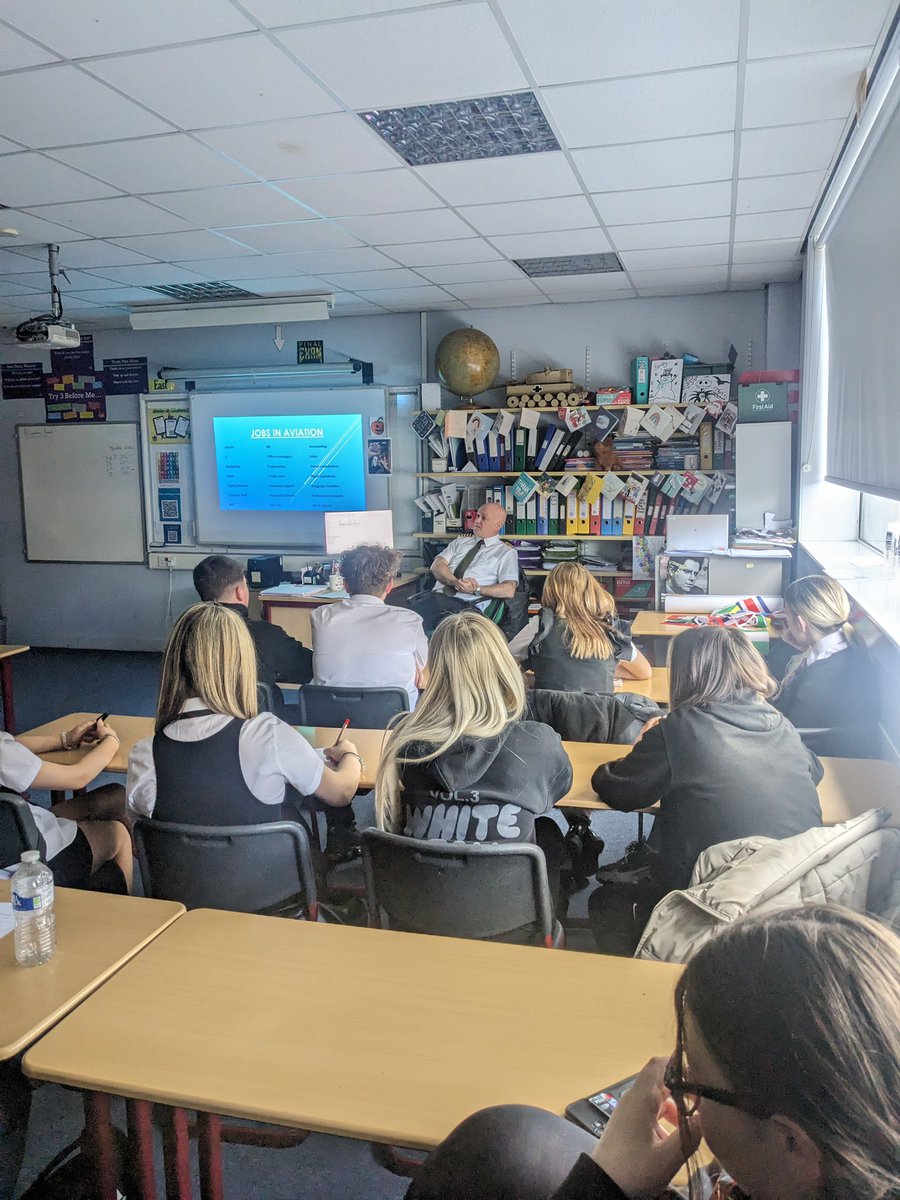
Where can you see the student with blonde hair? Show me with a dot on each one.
(465, 766)
(829, 687)
(723, 764)
(214, 759)
(579, 646)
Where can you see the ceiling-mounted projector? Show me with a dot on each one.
(49, 329)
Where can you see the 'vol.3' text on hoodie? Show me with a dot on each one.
(728, 770)
(485, 789)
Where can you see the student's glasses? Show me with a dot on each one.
(689, 1095)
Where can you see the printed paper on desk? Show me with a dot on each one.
(632, 423)
(524, 488)
(728, 419)
(455, 423)
(566, 484)
(635, 486)
(576, 418)
(529, 417)
(613, 484)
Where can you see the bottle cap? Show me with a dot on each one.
(31, 856)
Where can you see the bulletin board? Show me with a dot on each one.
(168, 471)
(81, 493)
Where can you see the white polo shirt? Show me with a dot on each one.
(363, 642)
(494, 563)
(271, 755)
(18, 771)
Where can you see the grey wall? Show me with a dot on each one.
(128, 607)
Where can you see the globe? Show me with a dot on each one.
(467, 362)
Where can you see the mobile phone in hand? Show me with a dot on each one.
(593, 1112)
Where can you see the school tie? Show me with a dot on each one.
(467, 559)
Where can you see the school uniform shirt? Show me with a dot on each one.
(494, 563)
(832, 688)
(554, 667)
(363, 642)
(728, 770)
(272, 754)
(486, 789)
(18, 770)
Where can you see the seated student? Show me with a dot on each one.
(215, 760)
(829, 685)
(86, 832)
(363, 642)
(579, 647)
(280, 658)
(723, 764)
(786, 1062)
(465, 766)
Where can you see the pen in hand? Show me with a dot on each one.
(343, 730)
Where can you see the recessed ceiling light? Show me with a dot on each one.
(461, 130)
(569, 264)
(195, 293)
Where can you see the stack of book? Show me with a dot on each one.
(634, 453)
(529, 554)
(595, 561)
(557, 552)
(670, 455)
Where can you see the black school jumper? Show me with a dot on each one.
(838, 695)
(555, 668)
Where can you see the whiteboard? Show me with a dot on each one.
(347, 530)
(81, 493)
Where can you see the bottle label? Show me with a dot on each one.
(39, 902)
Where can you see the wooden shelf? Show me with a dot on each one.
(555, 408)
(537, 537)
(541, 571)
(560, 474)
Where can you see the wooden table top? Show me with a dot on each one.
(651, 623)
(656, 687)
(849, 787)
(366, 1033)
(96, 934)
(323, 596)
(9, 651)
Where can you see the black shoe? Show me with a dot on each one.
(637, 866)
(342, 845)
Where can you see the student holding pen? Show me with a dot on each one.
(214, 759)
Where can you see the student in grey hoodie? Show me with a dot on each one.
(723, 764)
(464, 766)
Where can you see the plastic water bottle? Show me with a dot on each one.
(32, 901)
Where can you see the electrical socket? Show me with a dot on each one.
(164, 561)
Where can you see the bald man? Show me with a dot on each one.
(472, 571)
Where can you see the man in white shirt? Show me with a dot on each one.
(363, 642)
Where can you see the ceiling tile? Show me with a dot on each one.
(581, 39)
(649, 107)
(28, 179)
(790, 148)
(780, 250)
(293, 236)
(14, 287)
(591, 297)
(665, 204)
(351, 281)
(289, 12)
(768, 226)
(290, 286)
(431, 254)
(144, 165)
(707, 231)
(362, 194)
(779, 191)
(12, 263)
(327, 262)
(510, 289)
(420, 57)
(84, 27)
(93, 254)
(389, 229)
(238, 80)
(561, 241)
(73, 281)
(246, 267)
(152, 274)
(177, 247)
(777, 28)
(17, 51)
(411, 296)
(584, 285)
(682, 289)
(767, 273)
(243, 204)
(649, 164)
(530, 216)
(479, 272)
(119, 217)
(8, 147)
(690, 276)
(501, 180)
(36, 231)
(117, 296)
(298, 149)
(675, 256)
(50, 105)
(812, 87)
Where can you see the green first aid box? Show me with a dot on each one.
(762, 402)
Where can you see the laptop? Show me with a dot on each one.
(706, 533)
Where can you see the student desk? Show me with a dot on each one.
(7, 653)
(96, 934)
(293, 613)
(656, 687)
(650, 623)
(363, 1033)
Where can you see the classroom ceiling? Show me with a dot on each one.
(167, 143)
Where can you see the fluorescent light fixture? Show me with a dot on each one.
(251, 312)
(569, 264)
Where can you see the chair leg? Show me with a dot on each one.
(398, 1160)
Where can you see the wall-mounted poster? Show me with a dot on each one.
(378, 456)
(683, 575)
(665, 380)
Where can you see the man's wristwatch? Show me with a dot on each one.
(477, 593)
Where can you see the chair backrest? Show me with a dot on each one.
(265, 697)
(456, 889)
(367, 708)
(583, 716)
(241, 868)
(18, 830)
